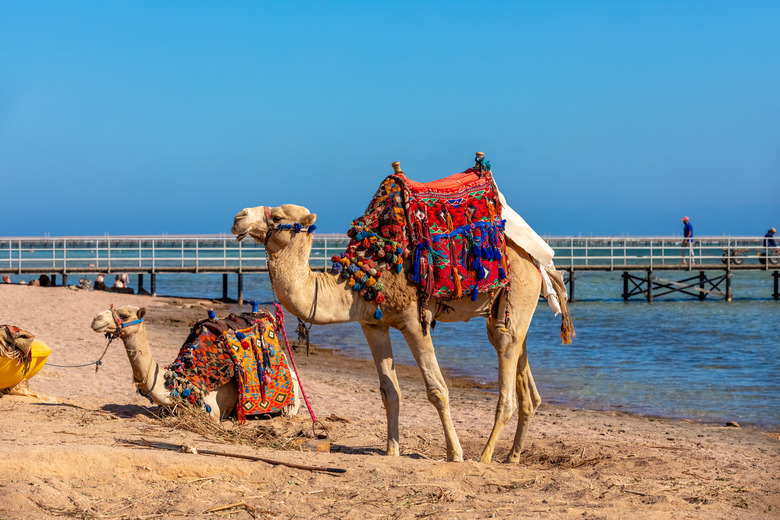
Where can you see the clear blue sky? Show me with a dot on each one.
(603, 118)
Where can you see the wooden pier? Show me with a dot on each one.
(708, 266)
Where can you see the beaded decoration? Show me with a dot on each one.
(451, 229)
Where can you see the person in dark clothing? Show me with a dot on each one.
(100, 285)
(769, 238)
(687, 242)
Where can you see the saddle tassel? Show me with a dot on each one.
(454, 260)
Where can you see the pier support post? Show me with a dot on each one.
(224, 286)
(702, 294)
(572, 276)
(625, 286)
(140, 283)
(153, 284)
(241, 288)
(728, 285)
(776, 276)
(649, 286)
(64, 280)
(53, 280)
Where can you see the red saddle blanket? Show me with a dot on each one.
(243, 347)
(451, 228)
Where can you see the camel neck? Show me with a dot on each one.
(147, 375)
(313, 297)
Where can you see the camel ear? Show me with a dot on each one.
(309, 219)
(141, 312)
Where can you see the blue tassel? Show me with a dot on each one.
(208, 409)
(416, 266)
(186, 393)
(474, 293)
(297, 227)
(212, 314)
(378, 313)
(255, 306)
(240, 335)
(336, 268)
(399, 268)
(501, 273)
(312, 228)
(357, 286)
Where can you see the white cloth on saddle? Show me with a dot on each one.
(519, 232)
(522, 234)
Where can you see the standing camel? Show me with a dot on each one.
(323, 298)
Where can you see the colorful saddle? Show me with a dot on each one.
(450, 227)
(245, 347)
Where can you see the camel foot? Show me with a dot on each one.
(393, 451)
(484, 459)
(456, 457)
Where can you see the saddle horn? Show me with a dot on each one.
(397, 168)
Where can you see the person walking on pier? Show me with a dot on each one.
(770, 249)
(687, 242)
(769, 238)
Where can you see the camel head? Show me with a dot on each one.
(257, 222)
(128, 314)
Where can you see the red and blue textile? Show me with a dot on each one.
(450, 227)
(244, 347)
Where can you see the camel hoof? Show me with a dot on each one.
(484, 459)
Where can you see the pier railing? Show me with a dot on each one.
(222, 253)
(661, 253)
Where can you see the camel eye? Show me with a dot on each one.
(277, 219)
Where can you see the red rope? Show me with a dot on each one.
(280, 320)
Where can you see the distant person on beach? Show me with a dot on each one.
(6, 278)
(118, 283)
(687, 242)
(100, 285)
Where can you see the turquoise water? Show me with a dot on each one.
(708, 361)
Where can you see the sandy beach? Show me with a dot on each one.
(71, 458)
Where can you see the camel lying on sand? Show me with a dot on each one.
(323, 298)
(147, 374)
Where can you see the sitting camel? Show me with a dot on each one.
(147, 375)
(323, 298)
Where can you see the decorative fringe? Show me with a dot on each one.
(456, 279)
(475, 293)
(502, 269)
(567, 327)
(378, 313)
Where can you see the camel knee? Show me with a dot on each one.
(391, 400)
(438, 398)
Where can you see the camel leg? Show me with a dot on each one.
(438, 394)
(378, 337)
(530, 400)
(502, 340)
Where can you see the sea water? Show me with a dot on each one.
(710, 361)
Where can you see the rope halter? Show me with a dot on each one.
(295, 228)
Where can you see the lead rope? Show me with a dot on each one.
(279, 313)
